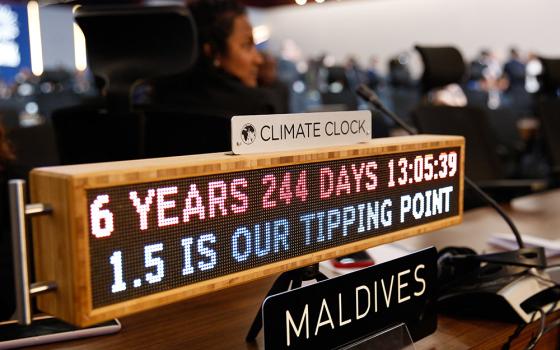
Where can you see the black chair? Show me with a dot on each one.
(549, 78)
(482, 160)
(34, 146)
(175, 134)
(338, 90)
(85, 135)
(482, 163)
(504, 128)
(443, 65)
(402, 92)
(549, 113)
(477, 98)
(124, 51)
(519, 101)
(9, 113)
(55, 91)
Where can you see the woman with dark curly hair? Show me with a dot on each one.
(224, 80)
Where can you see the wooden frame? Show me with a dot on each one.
(61, 246)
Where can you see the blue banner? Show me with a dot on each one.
(15, 52)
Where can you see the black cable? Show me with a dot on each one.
(369, 95)
(543, 329)
(514, 336)
(499, 209)
(535, 339)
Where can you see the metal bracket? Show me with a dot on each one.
(19, 211)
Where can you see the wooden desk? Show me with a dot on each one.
(221, 320)
(537, 214)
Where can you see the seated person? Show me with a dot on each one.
(449, 95)
(224, 80)
(514, 72)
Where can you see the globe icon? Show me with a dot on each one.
(248, 134)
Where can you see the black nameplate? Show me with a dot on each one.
(338, 311)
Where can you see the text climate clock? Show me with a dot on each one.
(130, 236)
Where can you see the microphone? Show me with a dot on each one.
(370, 96)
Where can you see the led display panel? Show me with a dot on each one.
(152, 237)
(138, 244)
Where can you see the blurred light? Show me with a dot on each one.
(301, 2)
(298, 87)
(314, 96)
(27, 120)
(80, 56)
(9, 31)
(47, 87)
(35, 37)
(329, 61)
(336, 87)
(302, 67)
(533, 69)
(32, 108)
(261, 34)
(319, 1)
(25, 89)
(10, 56)
(528, 123)
(403, 59)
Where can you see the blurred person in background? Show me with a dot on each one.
(399, 72)
(356, 75)
(224, 79)
(492, 69)
(317, 73)
(5, 91)
(374, 77)
(449, 95)
(476, 71)
(291, 69)
(486, 75)
(268, 80)
(514, 71)
(514, 79)
(402, 92)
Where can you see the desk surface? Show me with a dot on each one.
(221, 320)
